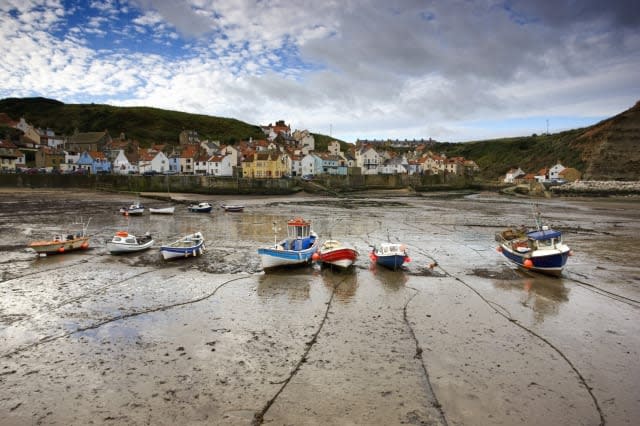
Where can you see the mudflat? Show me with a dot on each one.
(458, 336)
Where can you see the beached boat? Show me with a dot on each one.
(540, 250)
(123, 242)
(336, 253)
(200, 208)
(232, 207)
(296, 249)
(135, 209)
(63, 242)
(162, 210)
(189, 245)
(390, 255)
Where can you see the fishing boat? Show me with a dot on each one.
(296, 249)
(200, 208)
(390, 255)
(162, 210)
(232, 207)
(188, 245)
(541, 250)
(63, 242)
(336, 253)
(135, 209)
(123, 242)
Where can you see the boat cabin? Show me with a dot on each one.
(298, 228)
(545, 238)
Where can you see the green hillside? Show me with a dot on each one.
(146, 125)
(531, 153)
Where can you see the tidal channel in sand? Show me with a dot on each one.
(91, 338)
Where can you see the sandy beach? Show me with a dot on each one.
(458, 337)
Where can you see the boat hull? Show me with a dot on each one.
(550, 262)
(233, 209)
(59, 247)
(189, 246)
(165, 210)
(341, 257)
(273, 257)
(121, 248)
(393, 261)
(200, 209)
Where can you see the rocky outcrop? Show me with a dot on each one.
(610, 149)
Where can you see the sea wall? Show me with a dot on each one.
(597, 188)
(220, 185)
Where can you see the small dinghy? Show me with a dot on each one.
(123, 242)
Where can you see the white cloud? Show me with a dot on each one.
(364, 68)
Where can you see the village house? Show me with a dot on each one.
(220, 165)
(121, 164)
(513, 174)
(554, 171)
(333, 164)
(88, 141)
(152, 162)
(94, 162)
(188, 156)
(262, 165)
(368, 160)
(9, 154)
(49, 158)
(200, 163)
(394, 166)
(311, 164)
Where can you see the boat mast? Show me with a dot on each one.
(536, 216)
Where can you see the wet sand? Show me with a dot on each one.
(457, 337)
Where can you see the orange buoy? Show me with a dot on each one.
(315, 257)
(84, 245)
(499, 249)
(61, 250)
(528, 263)
(407, 259)
(122, 233)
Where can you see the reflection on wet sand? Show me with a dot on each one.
(543, 295)
(345, 282)
(278, 283)
(391, 280)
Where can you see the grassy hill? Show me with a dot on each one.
(146, 125)
(531, 153)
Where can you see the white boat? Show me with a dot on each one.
(162, 210)
(189, 245)
(123, 242)
(200, 207)
(232, 207)
(301, 243)
(135, 209)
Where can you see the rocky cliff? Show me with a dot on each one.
(611, 148)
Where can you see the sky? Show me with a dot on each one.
(450, 70)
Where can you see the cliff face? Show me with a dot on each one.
(611, 148)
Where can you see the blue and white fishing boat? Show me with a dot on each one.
(541, 250)
(189, 245)
(390, 255)
(135, 209)
(297, 249)
(200, 208)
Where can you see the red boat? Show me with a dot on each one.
(333, 252)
